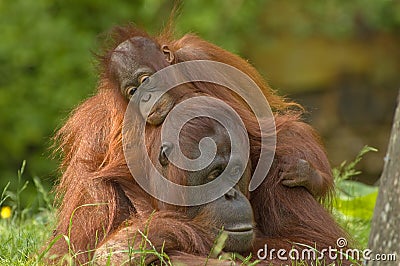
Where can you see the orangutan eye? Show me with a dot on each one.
(130, 91)
(143, 78)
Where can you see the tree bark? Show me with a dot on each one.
(385, 228)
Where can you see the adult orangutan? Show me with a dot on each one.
(103, 209)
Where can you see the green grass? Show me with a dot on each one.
(354, 202)
(23, 234)
(21, 241)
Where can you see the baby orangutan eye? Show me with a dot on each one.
(130, 91)
(143, 78)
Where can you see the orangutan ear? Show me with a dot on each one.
(303, 174)
(169, 55)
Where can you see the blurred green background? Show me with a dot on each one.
(339, 58)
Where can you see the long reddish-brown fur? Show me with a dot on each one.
(98, 194)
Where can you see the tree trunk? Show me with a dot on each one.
(384, 238)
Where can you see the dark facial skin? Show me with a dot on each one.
(132, 64)
(232, 211)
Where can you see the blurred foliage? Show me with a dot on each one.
(47, 68)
